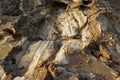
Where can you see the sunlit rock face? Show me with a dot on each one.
(59, 39)
(70, 23)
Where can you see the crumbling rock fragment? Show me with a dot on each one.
(69, 24)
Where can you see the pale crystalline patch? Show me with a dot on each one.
(70, 23)
(69, 1)
(28, 57)
(48, 52)
(77, 1)
(19, 78)
(61, 55)
(61, 58)
(69, 47)
(40, 50)
(39, 54)
(99, 27)
(86, 37)
(2, 73)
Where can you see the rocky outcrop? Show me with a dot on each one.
(59, 39)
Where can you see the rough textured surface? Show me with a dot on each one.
(59, 40)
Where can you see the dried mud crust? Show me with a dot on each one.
(59, 40)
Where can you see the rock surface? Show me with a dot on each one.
(59, 40)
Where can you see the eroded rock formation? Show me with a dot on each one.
(59, 40)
